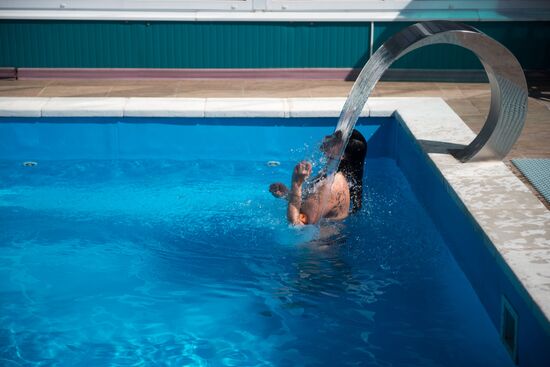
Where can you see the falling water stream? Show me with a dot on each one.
(360, 92)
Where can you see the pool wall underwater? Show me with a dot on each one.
(484, 250)
(168, 138)
(473, 251)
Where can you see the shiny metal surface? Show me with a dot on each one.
(508, 86)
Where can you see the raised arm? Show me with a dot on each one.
(300, 173)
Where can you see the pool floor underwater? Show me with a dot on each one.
(150, 262)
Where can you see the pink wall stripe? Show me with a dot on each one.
(54, 73)
(8, 73)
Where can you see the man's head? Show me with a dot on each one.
(356, 149)
(352, 166)
(332, 144)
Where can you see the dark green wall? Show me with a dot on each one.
(528, 41)
(182, 44)
(118, 44)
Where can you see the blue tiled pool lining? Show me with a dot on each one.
(500, 232)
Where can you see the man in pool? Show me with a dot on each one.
(346, 188)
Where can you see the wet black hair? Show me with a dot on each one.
(352, 167)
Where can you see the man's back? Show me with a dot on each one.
(330, 203)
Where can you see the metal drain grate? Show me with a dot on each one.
(509, 329)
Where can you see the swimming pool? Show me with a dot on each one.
(156, 241)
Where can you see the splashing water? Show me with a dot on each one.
(357, 98)
(147, 262)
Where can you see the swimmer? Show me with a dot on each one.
(305, 205)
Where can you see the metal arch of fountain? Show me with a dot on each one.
(507, 81)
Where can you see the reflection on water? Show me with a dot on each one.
(193, 263)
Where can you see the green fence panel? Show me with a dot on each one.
(118, 44)
(528, 41)
(90, 44)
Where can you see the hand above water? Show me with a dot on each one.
(301, 172)
(278, 189)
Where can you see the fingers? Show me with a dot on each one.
(306, 168)
(275, 189)
(304, 165)
(301, 171)
(278, 189)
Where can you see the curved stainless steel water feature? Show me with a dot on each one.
(508, 87)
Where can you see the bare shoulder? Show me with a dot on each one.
(340, 199)
(340, 181)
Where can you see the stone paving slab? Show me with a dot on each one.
(84, 107)
(164, 107)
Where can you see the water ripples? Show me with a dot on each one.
(136, 263)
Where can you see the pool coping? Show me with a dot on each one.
(513, 219)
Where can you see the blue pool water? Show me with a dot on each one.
(165, 262)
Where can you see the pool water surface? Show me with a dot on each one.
(191, 262)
